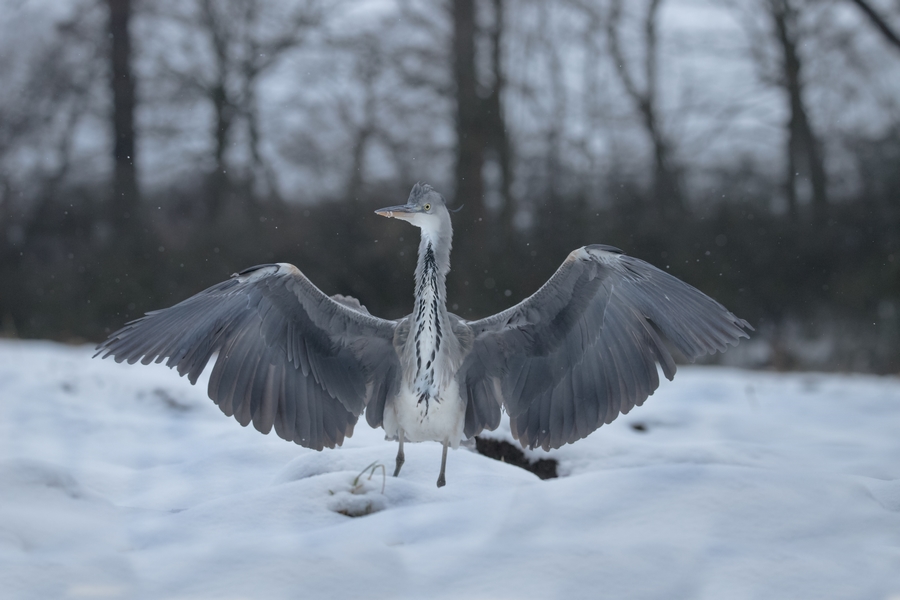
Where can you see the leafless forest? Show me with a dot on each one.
(150, 148)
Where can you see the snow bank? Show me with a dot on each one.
(127, 482)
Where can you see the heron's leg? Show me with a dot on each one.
(441, 481)
(400, 457)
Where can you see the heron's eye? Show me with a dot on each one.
(427, 207)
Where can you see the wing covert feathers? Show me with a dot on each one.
(585, 347)
(289, 357)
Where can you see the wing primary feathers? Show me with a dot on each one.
(288, 356)
(585, 347)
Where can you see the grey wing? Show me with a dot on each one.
(584, 348)
(288, 355)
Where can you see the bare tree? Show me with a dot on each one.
(775, 39)
(496, 127)
(125, 200)
(49, 92)
(368, 67)
(242, 53)
(480, 123)
(470, 136)
(245, 39)
(360, 111)
(804, 152)
(666, 186)
(481, 137)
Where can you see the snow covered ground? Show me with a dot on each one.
(127, 482)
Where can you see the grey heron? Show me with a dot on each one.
(577, 353)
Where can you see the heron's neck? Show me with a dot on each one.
(431, 276)
(428, 347)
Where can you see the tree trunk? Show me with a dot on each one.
(469, 131)
(223, 110)
(472, 245)
(368, 69)
(666, 187)
(496, 129)
(124, 205)
(218, 181)
(804, 152)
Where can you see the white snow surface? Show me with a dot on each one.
(122, 481)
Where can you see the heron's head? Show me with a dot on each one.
(425, 209)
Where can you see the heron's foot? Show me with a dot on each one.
(441, 481)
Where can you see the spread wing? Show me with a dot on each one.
(288, 355)
(584, 348)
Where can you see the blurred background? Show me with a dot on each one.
(150, 148)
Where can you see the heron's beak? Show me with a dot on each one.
(403, 211)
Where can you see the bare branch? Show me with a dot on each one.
(615, 49)
(886, 30)
(652, 39)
